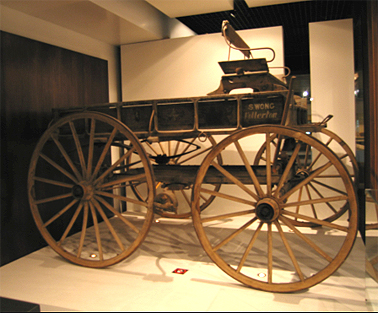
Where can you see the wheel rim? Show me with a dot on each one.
(347, 157)
(258, 236)
(178, 152)
(76, 185)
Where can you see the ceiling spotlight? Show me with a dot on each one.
(261, 275)
(93, 255)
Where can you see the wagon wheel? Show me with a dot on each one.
(75, 187)
(252, 237)
(347, 158)
(178, 152)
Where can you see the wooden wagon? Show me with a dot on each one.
(272, 206)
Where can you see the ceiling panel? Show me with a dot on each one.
(120, 22)
(85, 18)
(260, 3)
(177, 8)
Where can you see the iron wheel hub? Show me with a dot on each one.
(267, 210)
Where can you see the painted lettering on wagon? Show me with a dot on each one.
(254, 111)
(262, 110)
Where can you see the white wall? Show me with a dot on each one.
(332, 77)
(24, 25)
(184, 67)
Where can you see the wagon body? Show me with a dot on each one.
(190, 117)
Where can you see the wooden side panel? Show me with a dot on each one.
(35, 78)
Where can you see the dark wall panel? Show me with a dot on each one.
(35, 78)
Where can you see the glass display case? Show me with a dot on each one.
(372, 248)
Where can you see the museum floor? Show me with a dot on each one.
(146, 282)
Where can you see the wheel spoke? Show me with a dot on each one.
(119, 215)
(249, 247)
(204, 198)
(126, 199)
(312, 204)
(316, 159)
(316, 221)
(307, 154)
(305, 239)
(67, 207)
(63, 196)
(268, 165)
(70, 224)
(108, 224)
(186, 197)
(151, 147)
(329, 141)
(194, 155)
(91, 148)
(176, 147)
(225, 216)
(184, 151)
(59, 168)
(53, 182)
(225, 196)
(97, 231)
(83, 229)
(287, 169)
(299, 200)
(250, 171)
(329, 187)
(321, 196)
(161, 148)
(78, 148)
(270, 253)
(234, 234)
(104, 152)
(307, 180)
(114, 166)
(139, 178)
(277, 146)
(66, 157)
(314, 201)
(234, 180)
(289, 251)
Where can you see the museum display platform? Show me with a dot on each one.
(171, 272)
